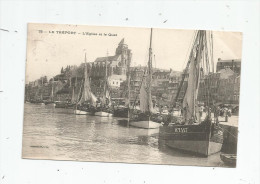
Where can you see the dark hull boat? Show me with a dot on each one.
(64, 105)
(105, 109)
(192, 133)
(86, 100)
(37, 102)
(203, 139)
(48, 102)
(229, 159)
(144, 118)
(121, 112)
(84, 111)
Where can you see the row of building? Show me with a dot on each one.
(223, 86)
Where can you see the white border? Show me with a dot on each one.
(214, 15)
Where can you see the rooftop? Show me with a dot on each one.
(229, 60)
(225, 73)
(109, 58)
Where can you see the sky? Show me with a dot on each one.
(49, 50)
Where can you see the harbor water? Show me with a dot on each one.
(57, 134)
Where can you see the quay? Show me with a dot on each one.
(230, 134)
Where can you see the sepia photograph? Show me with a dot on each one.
(132, 95)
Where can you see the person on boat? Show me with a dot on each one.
(216, 114)
(229, 112)
(201, 110)
(226, 114)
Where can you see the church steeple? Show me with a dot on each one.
(122, 47)
(122, 42)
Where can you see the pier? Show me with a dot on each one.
(230, 134)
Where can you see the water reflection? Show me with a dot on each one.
(51, 133)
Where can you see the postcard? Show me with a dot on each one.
(132, 95)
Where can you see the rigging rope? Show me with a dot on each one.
(229, 132)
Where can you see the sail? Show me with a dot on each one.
(73, 95)
(190, 106)
(52, 95)
(146, 104)
(106, 98)
(87, 95)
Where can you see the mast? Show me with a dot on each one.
(145, 87)
(106, 92)
(85, 76)
(52, 91)
(128, 86)
(105, 81)
(128, 81)
(190, 99)
(185, 72)
(41, 88)
(150, 71)
(106, 67)
(73, 95)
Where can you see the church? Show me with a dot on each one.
(116, 65)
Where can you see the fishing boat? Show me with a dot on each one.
(122, 109)
(189, 132)
(146, 117)
(37, 99)
(51, 100)
(229, 159)
(87, 100)
(104, 104)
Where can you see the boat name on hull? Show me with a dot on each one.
(181, 130)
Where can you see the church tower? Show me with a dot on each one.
(125, 53)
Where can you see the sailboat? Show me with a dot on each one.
(51, 100)
(146, 116)
(191, 133)
(123, 110)
(87, 100)
(104, 108)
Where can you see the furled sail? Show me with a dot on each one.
(52, 95)
(146, 104)
(106, 99)
(87, 95)
(190, 106)
(73, 95)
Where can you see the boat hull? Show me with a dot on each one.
(229, 159)
(103, 114)
(147, 124)
(203, 139)
(50, 104)
(123, 112)
(82, 112)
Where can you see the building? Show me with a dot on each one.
(115, 81)
(229, 89)
(233, 64)
(221, 87)
(173, 86)
(115, 65)
(136, 77)
(160, 84)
